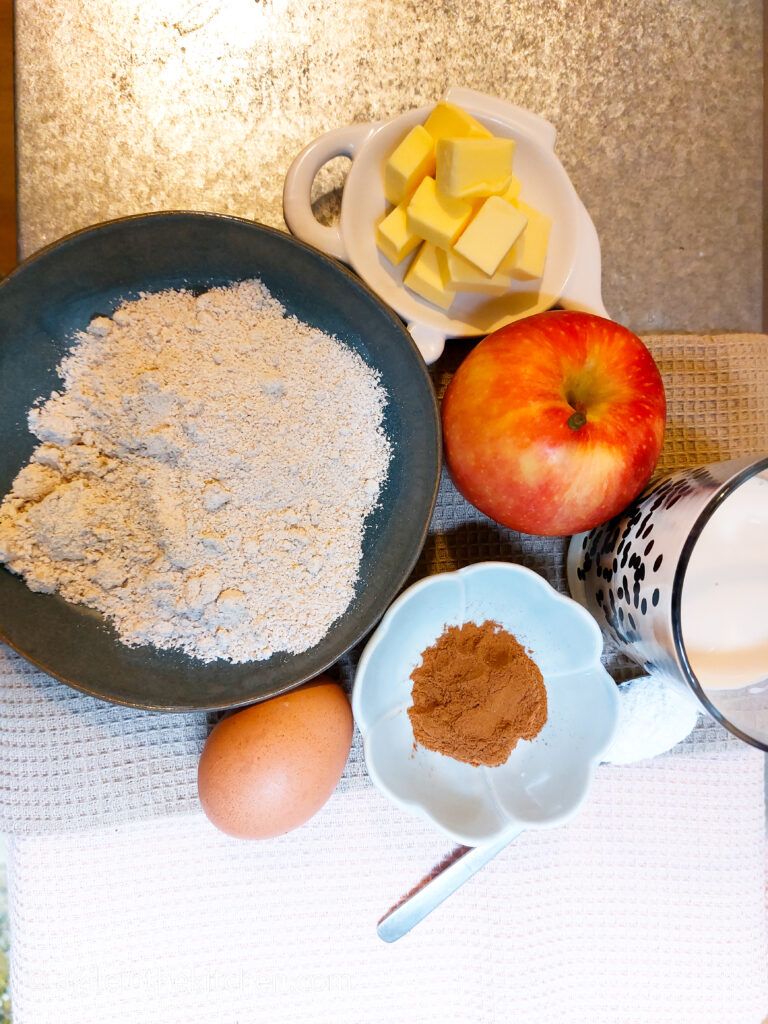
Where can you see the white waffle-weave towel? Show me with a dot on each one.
(648, 908)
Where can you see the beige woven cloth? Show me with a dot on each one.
(68, 761)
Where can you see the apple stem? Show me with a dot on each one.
(576, 420)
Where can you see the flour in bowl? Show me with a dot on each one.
(203, 476)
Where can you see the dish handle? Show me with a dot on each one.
(428, 340)
(297, 191)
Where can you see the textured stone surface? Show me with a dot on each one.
(130, 107)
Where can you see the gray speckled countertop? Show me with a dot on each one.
(130, 107)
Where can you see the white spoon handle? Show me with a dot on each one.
(432, 893)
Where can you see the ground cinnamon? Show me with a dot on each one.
(476, 693)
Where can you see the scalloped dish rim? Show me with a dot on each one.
(367, 726)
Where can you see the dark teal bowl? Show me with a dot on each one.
(58, 290)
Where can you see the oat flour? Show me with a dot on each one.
(203, 475)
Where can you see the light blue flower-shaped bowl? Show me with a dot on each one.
(545, 780)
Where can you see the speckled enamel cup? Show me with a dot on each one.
(679, 580)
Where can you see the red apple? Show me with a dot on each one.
(554, 423)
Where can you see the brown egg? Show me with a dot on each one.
(267, 769)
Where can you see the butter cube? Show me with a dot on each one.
(448, 120)
(428, 276)
(408, 164)
(491, 233)
(525, 260)
(468, 168)
(464, 276)
(512, 191)
(436, 218)
(393, 237)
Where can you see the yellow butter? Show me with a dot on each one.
(448, 120)
(393, 237)
(525, 260)
(469, 168)
(434, 217)
(408, 164)
(512, 191)
(490, 234)
(427, 276)
(464, 276)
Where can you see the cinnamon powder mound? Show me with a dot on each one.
(476, 693)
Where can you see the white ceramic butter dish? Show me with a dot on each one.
(572, 272)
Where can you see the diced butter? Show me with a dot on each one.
(428, 277)
(491, 233)
(465, 277)
(449, 121)
(409, 163)
(456, 209)
(393, 237)
(468, 168)
(512, 191)
(434, 217)
(525, 260)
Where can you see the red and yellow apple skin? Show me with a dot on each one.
(553, 424)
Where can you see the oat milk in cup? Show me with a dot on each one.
(679, 581)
